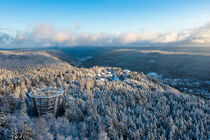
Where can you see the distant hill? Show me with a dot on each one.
(192, 63)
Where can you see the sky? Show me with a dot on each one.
(43, 23)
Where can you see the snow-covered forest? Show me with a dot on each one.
(100, 103)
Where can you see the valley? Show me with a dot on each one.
(184, 68)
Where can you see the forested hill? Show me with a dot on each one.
(100, 103)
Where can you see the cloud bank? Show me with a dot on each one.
(44, 35)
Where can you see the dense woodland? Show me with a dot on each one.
(134, 106)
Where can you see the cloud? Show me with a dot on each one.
(4, 37)
(77, 26)
(47, 35)
(201, 35)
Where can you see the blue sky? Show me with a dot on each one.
(107, 16)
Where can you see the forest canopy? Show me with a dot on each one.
(100, 103)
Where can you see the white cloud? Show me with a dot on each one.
(201, 35)
(47, 35)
